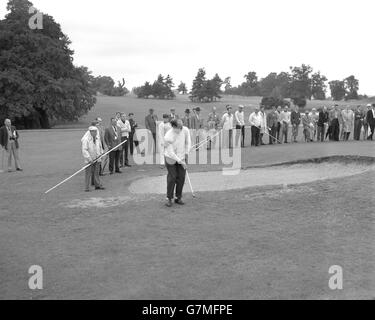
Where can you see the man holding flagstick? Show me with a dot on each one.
(177, 145)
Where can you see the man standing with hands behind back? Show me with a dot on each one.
(112, 139)
(9, 141)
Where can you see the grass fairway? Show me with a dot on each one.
(106, 107)
(254, 243)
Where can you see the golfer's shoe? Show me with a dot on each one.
(169, 203)
(100, 188)
(179, 201)
(19, 169)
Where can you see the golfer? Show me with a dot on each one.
(92, 150)
(177, 145)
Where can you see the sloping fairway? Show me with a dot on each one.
(257, 242)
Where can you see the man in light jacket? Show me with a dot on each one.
(91, 150)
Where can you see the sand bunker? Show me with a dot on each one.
(270, 176)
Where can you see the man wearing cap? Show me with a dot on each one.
(308, 127)
(177, 145)
(255, 120)
(347, 122)
(150, 122)
(91, 151)
(240, 124)
(9, 141)
(371, 121)
(164, 127)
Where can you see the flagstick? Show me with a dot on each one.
(85, 167)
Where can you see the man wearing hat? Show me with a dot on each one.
(371, 121)
(92, 150)
(314, 115)
(227, 122)
(240, 124)
(187, 119)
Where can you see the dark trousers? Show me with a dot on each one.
(114, 161)
(92, 176)
(273, 133)
(255, 136)
(241, 130)
(372, 127)
(278, 129)
(175, 179)
(357, 129)
(335, 127)
(321, 133)
(124, 160)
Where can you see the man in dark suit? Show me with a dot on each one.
(112, 138)
(9, 141)
(132, 141)
(150, 122)
(272, 122)
(322, 122)
(371, 121)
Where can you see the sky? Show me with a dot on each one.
(139, 39)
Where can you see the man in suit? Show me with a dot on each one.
(132, 136)
(295, 119)
(112, 138)
(334, 119)
(173, 115)
(9, 141)
(150, 122)
(322, 123)
(125, 128)
(371, 121)
(196, 124)
(272, 122)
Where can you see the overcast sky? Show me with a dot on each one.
(139, 39)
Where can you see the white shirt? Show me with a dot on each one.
(240, 118)
(125, 128)
(177, 145)
(256, 119)
(163, 129)
(285, 116)
(227, 122)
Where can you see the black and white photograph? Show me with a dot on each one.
(208, 151)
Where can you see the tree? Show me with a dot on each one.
(352, 87)
(338, 90)
(38, 81)
(227, 84)
(182, 88)
(251, 79)
(160, 89)
(318, 86)
(197, 91)
(301, 81)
